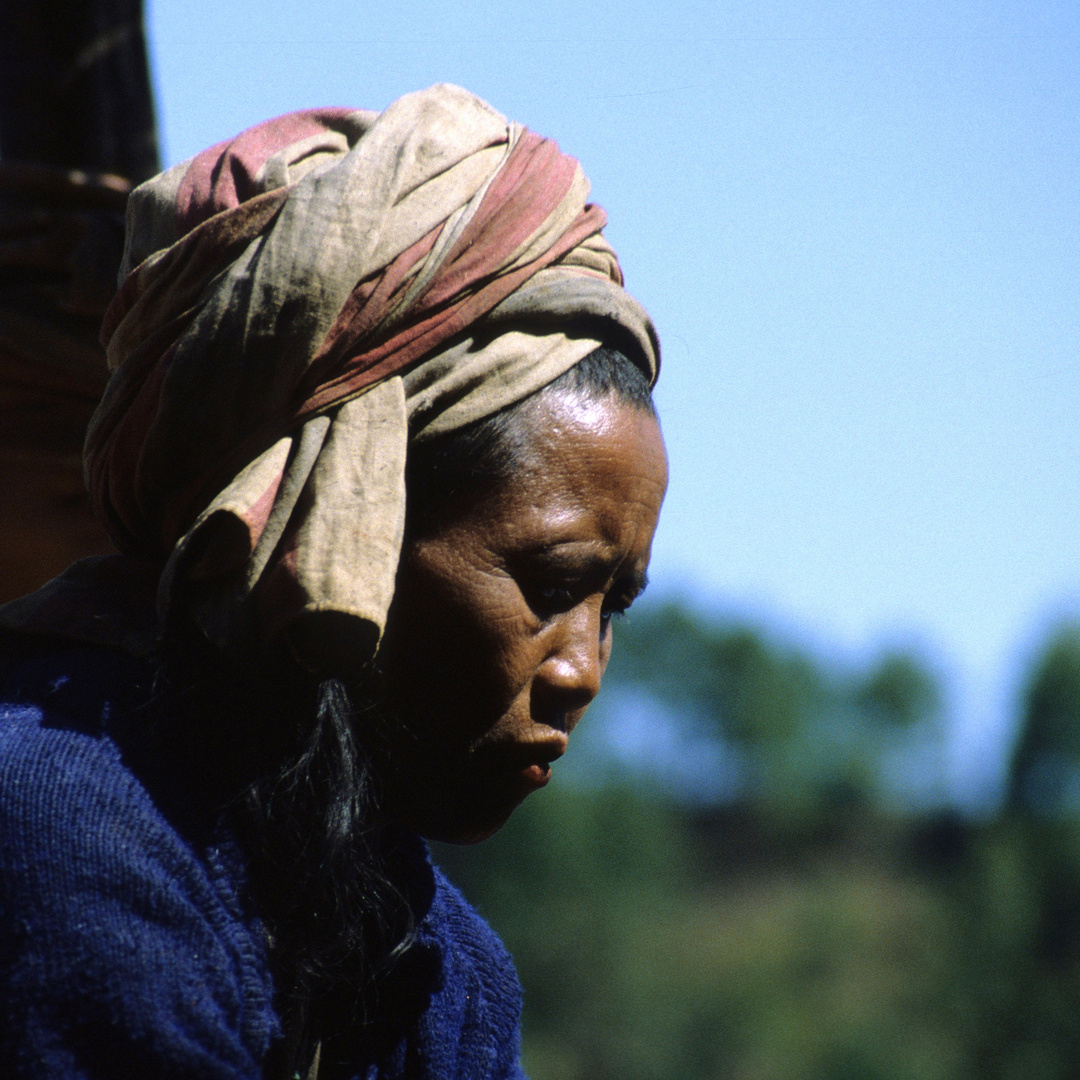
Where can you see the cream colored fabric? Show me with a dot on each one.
(350, 466)
(248, 291)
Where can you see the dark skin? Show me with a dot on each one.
(500, 628)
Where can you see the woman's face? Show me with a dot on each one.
(500, 628)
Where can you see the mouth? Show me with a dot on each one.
(536, 775)
(537, 758)
(530, 763)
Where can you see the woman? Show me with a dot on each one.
(380, 454)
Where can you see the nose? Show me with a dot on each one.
(574, 665)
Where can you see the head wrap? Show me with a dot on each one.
(300, 301)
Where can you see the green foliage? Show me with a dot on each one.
(582, 886)
(873, 954)
(811, 739)
(748, 689)
(1045, 772)
(787, 936)
(899, 692)
(848, 958)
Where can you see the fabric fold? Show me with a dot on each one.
(302, 300)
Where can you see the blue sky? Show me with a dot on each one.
(857, 227)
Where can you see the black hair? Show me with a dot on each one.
(292, 761)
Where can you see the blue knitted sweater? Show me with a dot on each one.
(127, 945)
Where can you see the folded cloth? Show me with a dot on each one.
(296, 305)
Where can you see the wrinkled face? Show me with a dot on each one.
(500, 628)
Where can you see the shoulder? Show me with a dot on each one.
(63, 780)
(120, 940)
(473, 942)
(479, 999)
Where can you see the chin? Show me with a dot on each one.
(465, 838)
(467, 827)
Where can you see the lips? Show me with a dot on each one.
(526, 765)
(540, 753)
(536, 775)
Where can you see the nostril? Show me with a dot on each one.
(573, 720)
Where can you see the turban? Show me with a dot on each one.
(298, 303)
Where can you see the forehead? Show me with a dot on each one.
(584, 454)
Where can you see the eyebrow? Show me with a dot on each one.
(631, 584)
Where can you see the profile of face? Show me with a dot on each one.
(500, 627)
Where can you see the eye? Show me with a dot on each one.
(550, 598)
(552, 587)
(612, 609)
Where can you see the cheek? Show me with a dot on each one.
(458, 647)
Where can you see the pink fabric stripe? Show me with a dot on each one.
(259, 512)
(532, 182)
(355, 354)
(196, 257)
(423, 335)
(223, 176)
(528, 188)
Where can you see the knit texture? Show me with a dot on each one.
(127, 946)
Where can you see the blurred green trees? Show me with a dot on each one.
(1045, 774)
(824, 915)
(808, 739)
